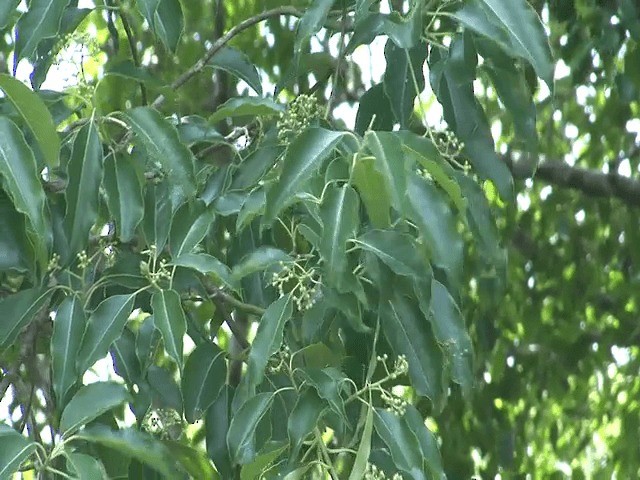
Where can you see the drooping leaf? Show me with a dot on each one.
(103, 328)
(14, 450)
(85, 466)
(370, 184)
(168, 23)
(127, 69)
(374, 111)
(89, 403)
(259, 260)
(390, 163)
(237, 63)
(437, 224)
(261, 463)
(252, 207)
(159, 139)
(82, 193)
(329, 383)
(68, 329)
(409, 333)
(133, 444)
(148, 9)
(206, 264)
(304, 418)
(41, 21)
(125, 359)
(516, 27)
(403, 79)
(189, 227)
(339, 213)
(15, 250)
(205, 373)
(303, 158)
(217, 425)
(397, 250)
(170, 320)
(241, 437)
(268, 338)
(427, 441)
(192, 460)
(35, 115)
(7, 10)
(243, 106)
(124, 195)
(157, 213)
(18, 310)
(255, 166)
(364, 449)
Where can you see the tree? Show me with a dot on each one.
(283, 294)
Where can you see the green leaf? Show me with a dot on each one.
(437, 224)
(311, 22)
(205, 264)
(370, 184)
(238, 64)
(157, 213)
(242, 430)
(192, 460)
(147, 341)
(22, 180)
(258, 261)
(18, 310)
(251, 208)
(246, 106)
(159, 139)
(68, 329)
(408, 333)
(451, 333)
(364, 449)
(7, 11)
(14, 450)
(403, 79)
(190, 225)
(124, 195)
(41, 21)
(374, 111)
(303, 419)
(133, 444)
(148, 9)
(268, 338)
(83, 189)
(216, 427)
(302, 159)
(35, 115)
(390, 163)
(253, 168)
(255, 469)
(397, 250)
(15, 249)
(170, 320)
(329, 383)
(85, 467)
(168, 23)
(205, 373)
(516, 27)
(339, 213)
(103, 328)
(401, 442)
(426, 440)
(89, 403)
(127, 69)
(125, 360)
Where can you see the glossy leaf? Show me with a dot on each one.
(329, 383)
(35, 115)
(159, 139)
(133, 444)
(168, 23)
(427, 441)
(18, 310)
(255, 166)
(302, 159)
(89, 403)
(205, 373)
(192, 460)
(390, 163)
(15, 250)
(157, 212)
(125, 359)
(243, 106)
(304, 418)
(170, 320)
(85, 466)
(339, 213)
(268, 338)
(66, 340)
(7, 10)
(14, 450)
(374, 111)
(516, 27)
(103, 328)
(206, 264)
(408, 333)
(124, 195)
(189, 227)
(216, 427)
(370, 184)
(237, 63)
(364, 449)
(242, 429)
(397, 250)
(42, 20)
(403, 79)
(82, 193)
(259, 260)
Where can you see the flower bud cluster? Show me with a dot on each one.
(83, 259)
(374, 473)
(163, 422)
(395, 404)
(300, 114)
(54, 263)
(449, 146)
(295, 279)
(400, 366)
(279, 360)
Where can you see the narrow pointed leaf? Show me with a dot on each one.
(206, 264)
(397, 250)
(370, 184)
(259, 260)
(14, 450)
(18, 310)
(168, 23)
(7, 10)
(238, 64)
(205, 373)
(268, 338)
(374, 111)
(159, 139)
(189, 227)
(364, 449)
(390, 163)
(329, 383)
(42, 20)
(68, 329)
(339, 213)
(35, 115)
(303, 158)
(192, 460)
(89, 403)
(103, 328)
(85, 466)
(15, 250)
(216, 427)
(124, 195)
(157, 212)
(125, 360)
(243, 106)
(170, 320)
(304, 418)
(242, 430)
(82, 193)
(427, 442)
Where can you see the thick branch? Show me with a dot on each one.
(589, 182)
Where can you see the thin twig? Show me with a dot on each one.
(134, 52)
